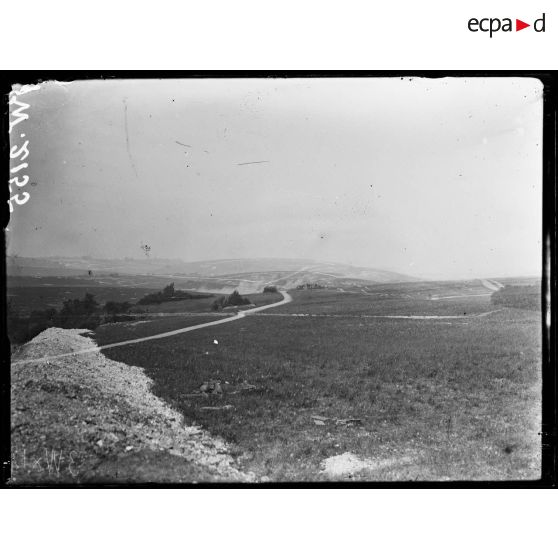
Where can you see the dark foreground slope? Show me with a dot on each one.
(85, 418)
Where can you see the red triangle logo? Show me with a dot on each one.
(519, 25)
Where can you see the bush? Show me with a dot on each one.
(168, 291)
(310, 286)
(167, 294)
(79, 314)
(234, 299)
(113, 308)
(218, 303)
(270, 289)
(152, 298)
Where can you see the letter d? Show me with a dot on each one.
(535, 25)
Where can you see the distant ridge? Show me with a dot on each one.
(285, 272)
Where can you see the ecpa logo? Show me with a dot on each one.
(494, 24)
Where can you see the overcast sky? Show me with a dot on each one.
(434, 178)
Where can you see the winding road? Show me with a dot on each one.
(492, 285)
(489, 284)
(242, 314)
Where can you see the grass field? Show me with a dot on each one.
(41, 297)
(203, 304)
(440, 399)
(378, 302)
(123, 331)
(32, 293)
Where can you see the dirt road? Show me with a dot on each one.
(389, 317)
(491, 284)
(242, 314)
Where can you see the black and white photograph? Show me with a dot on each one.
(274, 280)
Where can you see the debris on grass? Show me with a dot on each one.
(211, 387)
(244, 386)
(348, 422)
(216, 387)
(222, 408)
(321, 421)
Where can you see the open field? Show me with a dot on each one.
(32, 293)
(456, 398)
(376, 301)
(201, 305)
(123, 331)
(26, 299)
(150, 319)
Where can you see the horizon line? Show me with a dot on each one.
(421, 276)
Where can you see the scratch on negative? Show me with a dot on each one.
(252, 163)
(127, 138)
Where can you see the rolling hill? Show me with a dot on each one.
(247, 275)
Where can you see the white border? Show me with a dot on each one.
(256, 35)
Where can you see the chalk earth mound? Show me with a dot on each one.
(85, 418)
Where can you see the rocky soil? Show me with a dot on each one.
(86, 419)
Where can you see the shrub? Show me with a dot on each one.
(234, 299)
(310, 286)
(218, 303)
(76, 313)
(79, 314)
(167, 294)
(117, 311)
(152, 298)
(270, 289)
(168, 291)
(113, 308)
